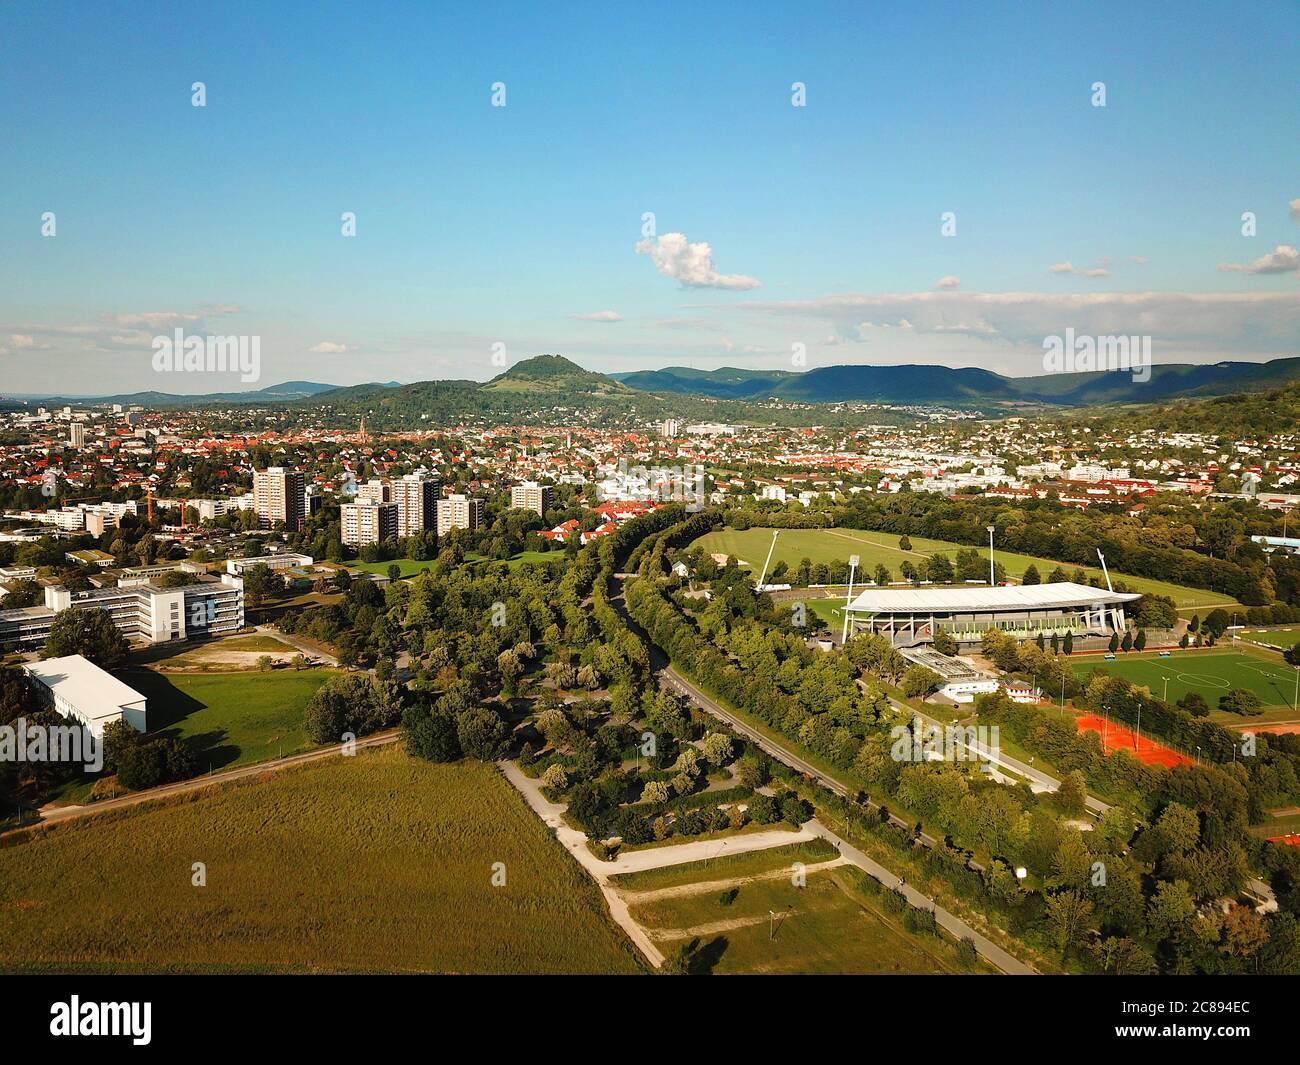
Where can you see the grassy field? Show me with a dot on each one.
(230, 718)
(1271, 637)
(411, 568)
(821, 928)
(1211, 673)
(377, 863)
(830, 545)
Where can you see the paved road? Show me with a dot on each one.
(312, 651)
(56, 814)
(987, 949)
(659, 857)
(1000, 758)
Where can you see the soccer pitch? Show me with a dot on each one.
(1211, 673)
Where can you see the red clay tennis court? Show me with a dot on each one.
(1118, 738)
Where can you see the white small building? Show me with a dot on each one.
(79, 689)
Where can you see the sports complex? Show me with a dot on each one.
(1211, 673)
(1025, 611)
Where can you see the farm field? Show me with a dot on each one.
(230, 718)
(824, 927)
(1211, 673)
(831, 545)
(376, 863)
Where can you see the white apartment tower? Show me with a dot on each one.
(531, 496)
(459, 512)
(278, 495)
(368, 521)
(416, 496)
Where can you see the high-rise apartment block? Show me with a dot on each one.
(531, 496)
(368, 521)
(278, 495)
(459, 512)
(416, 496)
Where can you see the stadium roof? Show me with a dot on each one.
(984, 599)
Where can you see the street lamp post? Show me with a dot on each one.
(991, 530)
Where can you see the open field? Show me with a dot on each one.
(772, 926)
(831, 545)
(378, 862)
(1271, 637)
(411, 568)
(230, 718)
(1211, 673)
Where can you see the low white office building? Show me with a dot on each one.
(79, 689)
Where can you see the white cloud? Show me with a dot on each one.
(948, 281)
(690, 264)
(329, 347)
(1280, 260)
(1230, 322)
(1100, 270)
(599, 316)
(1295, 210)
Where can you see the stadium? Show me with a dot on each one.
(912, 617)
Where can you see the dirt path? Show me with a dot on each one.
(699, 931)
(681, 891)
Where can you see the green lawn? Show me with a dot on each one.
(831, 545)
(230, 718)
(375, 863)
(1271, 637)
(411, 568)
(772, 926)
(1211, 672)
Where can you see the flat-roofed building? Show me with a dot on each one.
(141, 612)
(531, 496)
(368, 522)
(79, 689)
(279, 494)
(910, 617)
(280, 560)
(416, 496)
(459, 512)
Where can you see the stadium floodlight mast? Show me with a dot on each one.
(992, 529)
(853, 568)
(762, 577)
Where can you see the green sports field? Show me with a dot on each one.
(1211, 673)
(873, 548)
(1272, 637)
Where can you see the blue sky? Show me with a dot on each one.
(519, 224)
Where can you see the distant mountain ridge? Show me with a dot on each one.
(964, 386)
(563, 380)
